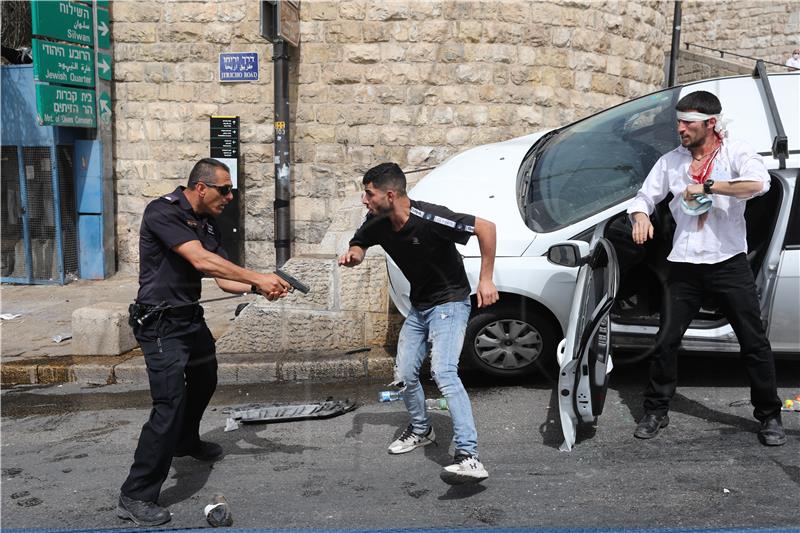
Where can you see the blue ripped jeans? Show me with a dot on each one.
(442, 328)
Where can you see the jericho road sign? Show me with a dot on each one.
(62, 63)
(63, 20)
(65, 106)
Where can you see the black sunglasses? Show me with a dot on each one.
(224, 190)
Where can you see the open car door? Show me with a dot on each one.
(584, 356)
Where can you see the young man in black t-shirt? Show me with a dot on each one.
(420, 237)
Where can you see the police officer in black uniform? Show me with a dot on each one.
(179, 244)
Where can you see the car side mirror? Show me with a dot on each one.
(568, 254)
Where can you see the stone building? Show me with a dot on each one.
(411, 81)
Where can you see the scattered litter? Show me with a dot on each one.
(218, 514)
(438, 404)
(280, 412)
(790, 404)
(9, 316)
(62, 337)
(726, 491)
(390, 395)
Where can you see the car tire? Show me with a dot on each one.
(510, 340)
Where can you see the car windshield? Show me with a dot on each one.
(595, 163)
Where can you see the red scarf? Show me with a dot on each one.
(705, 172)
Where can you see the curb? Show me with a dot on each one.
(130, 368)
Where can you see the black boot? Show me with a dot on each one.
(771, 432)
(142, 513)
(650, 425)
(202, 451)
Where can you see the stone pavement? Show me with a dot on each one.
(30, 353)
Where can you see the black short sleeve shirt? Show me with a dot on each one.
(165, 276)
(425, 251)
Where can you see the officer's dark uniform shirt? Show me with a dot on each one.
(165, 276)
(425, 251)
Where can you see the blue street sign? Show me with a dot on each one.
(241, 66)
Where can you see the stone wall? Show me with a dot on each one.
(694, 66)
(346, 308)
(373, 80)
(764, 29)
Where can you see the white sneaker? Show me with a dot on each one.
(409, 441)
(465, 469)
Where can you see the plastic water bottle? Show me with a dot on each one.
(436, 403)
(390, 396)
(218, 514)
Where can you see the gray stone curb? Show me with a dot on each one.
(233, 369)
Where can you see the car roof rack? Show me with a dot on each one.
(780, 144)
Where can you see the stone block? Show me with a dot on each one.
(365, 287)
(133, 370)
(323, 330)
(102, 329)
(258, 328)
(318, 273)
(322, 369)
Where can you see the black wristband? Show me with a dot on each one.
(254, 289)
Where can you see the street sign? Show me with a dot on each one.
(65, 106)
(241, 66)
(63, 20)
(103, 29)
(104, 66)
(280, 21)
(62, 63)
(225, 143)
(105, 107)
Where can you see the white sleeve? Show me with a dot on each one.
(654, 189)
(747, 165)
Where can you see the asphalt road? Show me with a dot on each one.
(66, 450)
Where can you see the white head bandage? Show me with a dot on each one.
(720, 127)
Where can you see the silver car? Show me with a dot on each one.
(574, 184)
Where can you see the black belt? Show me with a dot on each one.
(142, 314)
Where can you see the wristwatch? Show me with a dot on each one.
(707, 186)
(254, 289)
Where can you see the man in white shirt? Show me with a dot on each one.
(794, 61)
(708, 256)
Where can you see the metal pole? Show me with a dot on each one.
(676, 43)
(280, 59)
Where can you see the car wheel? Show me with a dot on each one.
(510, 340)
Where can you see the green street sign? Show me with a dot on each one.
(103, 29)
(65, 106)
(104, 102)
(63, 20)
(62, 63)
(102, 3)
(104, 66)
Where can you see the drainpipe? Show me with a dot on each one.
(282, 215)
(676, 43)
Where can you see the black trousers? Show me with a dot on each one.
(732, 285)
(182, 367)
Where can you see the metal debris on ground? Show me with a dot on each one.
(61, 338)
(9, 316)
(282, 412)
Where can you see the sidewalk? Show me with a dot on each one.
(29, 353)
